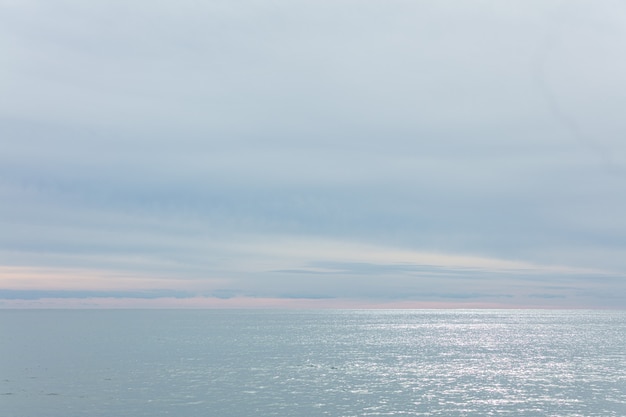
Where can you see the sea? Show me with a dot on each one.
(288, 363)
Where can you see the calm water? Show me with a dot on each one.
(312, 363)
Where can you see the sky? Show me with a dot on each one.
(312, 154)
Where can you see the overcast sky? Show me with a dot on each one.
(313, 153)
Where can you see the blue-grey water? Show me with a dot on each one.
(312, 363)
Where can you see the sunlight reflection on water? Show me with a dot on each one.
(313, 363)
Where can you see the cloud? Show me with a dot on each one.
(325, 149)
(39, 295)
(309, 269)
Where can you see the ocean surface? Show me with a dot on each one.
(117, 363)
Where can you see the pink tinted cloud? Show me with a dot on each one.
(248, 303)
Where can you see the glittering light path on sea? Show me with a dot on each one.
(313, 363)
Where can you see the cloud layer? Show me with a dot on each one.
(314, 150)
